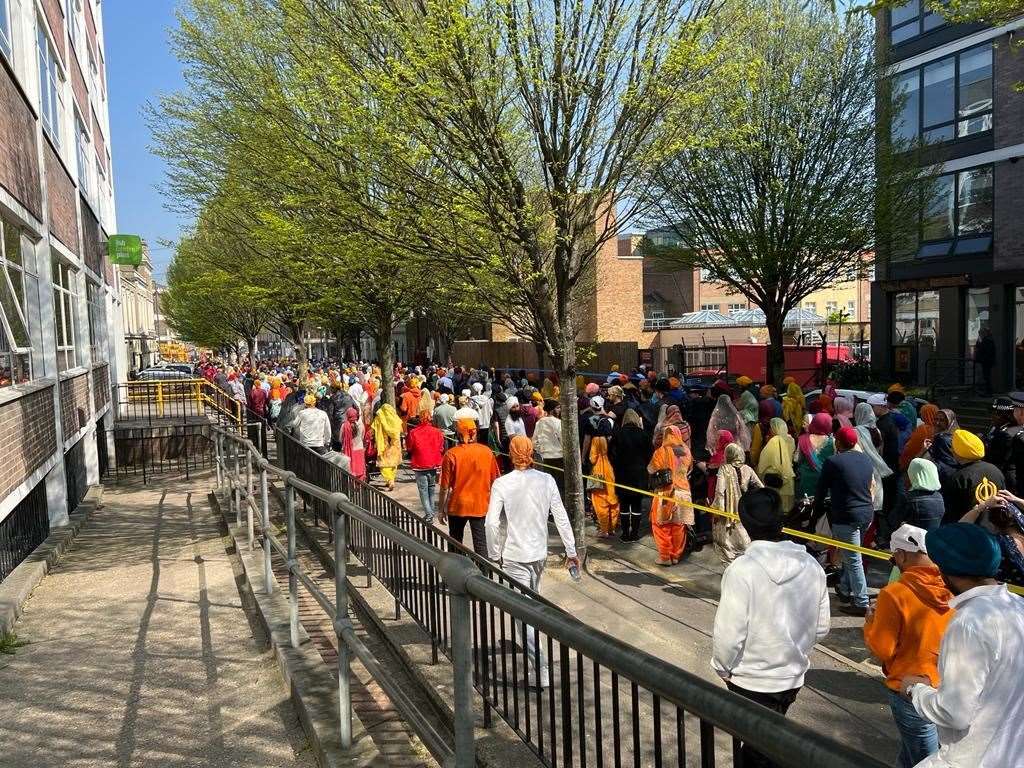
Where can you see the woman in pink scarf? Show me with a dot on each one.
(352, 443)
(718, 459)
(813, 447)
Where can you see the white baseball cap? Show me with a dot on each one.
(877, 399)
(908, 538)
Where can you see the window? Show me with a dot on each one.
(977, 316)
(912, 19)
(82, 153)
(50, 84)
(74, 17)
(851, 308)
(811, 305)
(831, 306)
(957, 218)
(916, 318)
(5, 30)
(709, 307)
(97, 321)
(65, 311)
(946, 99)
(737, 307)
(16, 283)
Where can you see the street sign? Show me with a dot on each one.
(125, 249)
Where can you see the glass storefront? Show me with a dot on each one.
(1018, 338)
(977, 317)
(916, 325)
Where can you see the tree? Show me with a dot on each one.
(535, 127)
(784, 201)
(206, 304)
(959, 11)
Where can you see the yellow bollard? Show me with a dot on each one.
(159, 399)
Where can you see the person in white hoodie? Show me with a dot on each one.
(773, 608)
(484, 407)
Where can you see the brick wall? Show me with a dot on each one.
(93, 242)
(619, 305)
(99, 142)
(61, 200)
(78, 85)
(19, 167)
(74, 397)
(100, 386)
(55, 17)
(90, 25)
(28, 436)
(1008, 127)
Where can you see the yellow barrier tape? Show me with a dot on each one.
(877, 554)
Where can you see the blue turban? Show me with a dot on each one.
(964, 549)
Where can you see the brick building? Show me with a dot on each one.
(59, 315)
(966, 269)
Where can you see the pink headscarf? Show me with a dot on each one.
(724, 438)
(820, 427)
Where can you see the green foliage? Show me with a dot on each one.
(10, 643)
(781, 200)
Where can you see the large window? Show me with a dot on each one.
(51, 83)
(65, 313)
(5, 29)
(977, 316)
(97, 321)
(912, 19)
(916, 318)
(74, 17)
(16, 284)
(946, 99)
(956, 216)
(82, 154)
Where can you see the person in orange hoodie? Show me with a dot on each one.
(904, 630)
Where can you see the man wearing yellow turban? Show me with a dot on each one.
(975, 481)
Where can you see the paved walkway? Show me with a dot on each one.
(140, 652)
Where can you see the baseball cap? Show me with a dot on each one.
(908, 538)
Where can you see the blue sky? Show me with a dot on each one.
(140, 67)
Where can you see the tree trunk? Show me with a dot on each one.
(382, 338)
(250, 342)
(565, 362)
(297, 329)
(540, 349)
(776, 367)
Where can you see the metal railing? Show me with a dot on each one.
(600, 701)
(175, 400)
(949, 373)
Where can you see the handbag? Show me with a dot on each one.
(661, 478)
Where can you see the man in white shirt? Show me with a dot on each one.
(514, 424)
(978, 707)
(312, 426)
(773, 609)
(517, 531)
(484, 407)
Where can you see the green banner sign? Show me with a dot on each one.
(125, 249)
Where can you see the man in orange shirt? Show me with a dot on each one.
(467, 473)
(904, 631)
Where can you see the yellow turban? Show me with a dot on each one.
(788, 380)
(895, 388)
(967, 446)
(744, 381)
(310, 400)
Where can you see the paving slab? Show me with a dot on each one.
(140, 652)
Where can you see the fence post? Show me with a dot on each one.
(249, 521)
(236, 487)
(340, 622)
(219, 450)
(268, 572)
(462, 666)
(293, 580)
(159, 399)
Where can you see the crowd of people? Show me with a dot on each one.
(728, 465)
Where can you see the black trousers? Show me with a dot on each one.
(631, 514)
(777, 702)
(457, 526)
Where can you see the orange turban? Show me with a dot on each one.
(520, 448)
(466, 429)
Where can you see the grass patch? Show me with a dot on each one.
(9, 643)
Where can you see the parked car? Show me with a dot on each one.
(171, 372)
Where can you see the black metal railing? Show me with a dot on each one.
(24, 529)
(183, 401)
(601, 702)
(949, 373)
(147, 452)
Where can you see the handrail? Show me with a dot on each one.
(784, 741)
(166, 398)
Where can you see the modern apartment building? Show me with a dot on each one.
(958, 88)
(59, 316)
